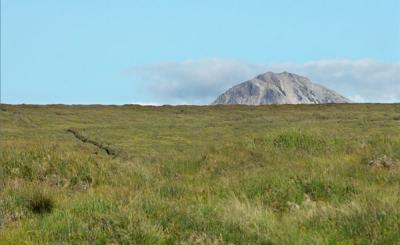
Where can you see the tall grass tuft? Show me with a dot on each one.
(39, 202)
(298, 140)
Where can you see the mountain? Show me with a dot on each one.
(279, 88)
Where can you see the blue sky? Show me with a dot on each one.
(117, 52)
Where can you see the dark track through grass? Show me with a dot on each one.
(84, 139)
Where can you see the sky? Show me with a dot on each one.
(188, 52)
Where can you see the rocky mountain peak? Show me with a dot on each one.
(279, 88)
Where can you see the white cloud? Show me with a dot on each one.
(146, 103)
(357, 98)
(160, 104)
(364, 80)
(196, 82)
(201, 81)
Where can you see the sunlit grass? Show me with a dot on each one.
(199, 175)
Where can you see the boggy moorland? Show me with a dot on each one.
(290, 174)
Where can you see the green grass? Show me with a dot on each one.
(199, 175)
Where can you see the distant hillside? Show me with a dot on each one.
(279, 88)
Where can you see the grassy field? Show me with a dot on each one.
(200, 175)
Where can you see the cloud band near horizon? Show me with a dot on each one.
(201, 81)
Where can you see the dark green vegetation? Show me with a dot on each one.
(199, 175)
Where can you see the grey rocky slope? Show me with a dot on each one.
(279, 88)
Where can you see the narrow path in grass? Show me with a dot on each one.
(84, 139)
